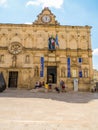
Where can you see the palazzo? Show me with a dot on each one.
(46, 51)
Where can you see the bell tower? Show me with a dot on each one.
(46, 17)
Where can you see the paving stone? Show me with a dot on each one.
(24, 110)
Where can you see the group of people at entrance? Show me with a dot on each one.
(49, 87)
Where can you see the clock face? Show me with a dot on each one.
(46, 18)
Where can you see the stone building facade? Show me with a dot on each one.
(46, 51)
(95, 75)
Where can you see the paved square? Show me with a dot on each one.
(25, 110)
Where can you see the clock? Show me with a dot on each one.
(46, 19)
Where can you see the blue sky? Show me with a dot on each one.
(67, 12)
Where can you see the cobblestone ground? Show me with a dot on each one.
(25, 110)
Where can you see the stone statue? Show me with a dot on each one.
(14, 59)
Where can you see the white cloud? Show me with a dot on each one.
(95, 52)
(28, 23)
(3, 2)
(46, 3)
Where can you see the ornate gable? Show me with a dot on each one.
(46, 17)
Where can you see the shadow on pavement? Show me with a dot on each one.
(70, 97)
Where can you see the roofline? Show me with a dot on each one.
(47, 25)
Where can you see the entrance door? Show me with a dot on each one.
(13, 77)
(51, 74)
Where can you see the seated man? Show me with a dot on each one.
(57, 89)
(36, 85)
(50, 86)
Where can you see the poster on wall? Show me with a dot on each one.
(74, 73)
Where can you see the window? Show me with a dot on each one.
(51, 43)
(80, 60)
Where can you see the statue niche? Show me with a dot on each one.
(63, 72)
(36, 71)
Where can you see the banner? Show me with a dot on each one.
(80, 70)
(42, 67)
(68, 67)
(80, 73)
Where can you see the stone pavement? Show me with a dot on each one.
(25, 110)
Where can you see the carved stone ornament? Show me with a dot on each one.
(15, 48)
(74, 60)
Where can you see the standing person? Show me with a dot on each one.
(61, 84)
(63, 88)
(43, 84)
